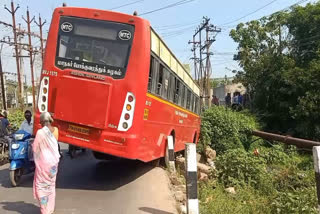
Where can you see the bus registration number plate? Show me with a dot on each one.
(78, 129)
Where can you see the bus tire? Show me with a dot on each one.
(72, 151)
(169, 155)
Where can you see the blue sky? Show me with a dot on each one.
(176, 24)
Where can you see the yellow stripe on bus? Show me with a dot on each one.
(170, 104)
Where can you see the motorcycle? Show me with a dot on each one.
(20, 156)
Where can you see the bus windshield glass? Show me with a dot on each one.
(101, 47)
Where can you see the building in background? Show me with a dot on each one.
(223, 86)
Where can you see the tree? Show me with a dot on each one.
(279, 56)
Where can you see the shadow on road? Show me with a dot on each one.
(86, 173)
(153, 211)
(20, 207)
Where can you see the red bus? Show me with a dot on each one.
(114, 87)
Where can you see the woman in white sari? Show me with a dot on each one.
(46, 158)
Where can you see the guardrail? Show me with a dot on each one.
(302, 143)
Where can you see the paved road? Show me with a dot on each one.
(85, 185)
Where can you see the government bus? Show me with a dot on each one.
(113, 86)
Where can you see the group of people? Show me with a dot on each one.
(235, 103)
(27, 124)
(46, 156)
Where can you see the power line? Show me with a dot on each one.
(284, 9)
(249, 13)
(168, 6)
(168, 27)
(124, 5)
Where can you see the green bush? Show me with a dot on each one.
(300, 201)
(215, 200)
(269, 177)
(223, 129)
(237, 167)
(16, 119)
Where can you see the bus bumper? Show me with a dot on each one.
(120, 145)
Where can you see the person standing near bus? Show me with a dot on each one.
(27, 124)
(46, 157)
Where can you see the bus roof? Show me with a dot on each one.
(159, 47)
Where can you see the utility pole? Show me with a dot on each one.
(204, 71)
(13, 12)
(28, 21)
(194, 58)
(201, 76)
(3, 91)
(209, 41)
(40, 25)
(20, 46)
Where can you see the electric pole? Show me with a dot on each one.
(3, 91)
(194, 58)
(40, 25)
(204, 73)
(20, 46)
(13, 12)
(28, 21)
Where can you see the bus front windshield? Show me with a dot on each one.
(94, 46)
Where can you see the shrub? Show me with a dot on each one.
(16, 119)
(217, 200)
(300, 201)
(223, 129)
(237, 167)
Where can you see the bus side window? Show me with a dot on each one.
(159, 80)
(188, 100)
(197, 105)
(172, 87)
(166, 77)
(151, 74)
(177, 92)
(191, 102)
(185, 96)
(155, 75)
(181, 101)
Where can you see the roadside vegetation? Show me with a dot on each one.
(268, 177)
(279, 56)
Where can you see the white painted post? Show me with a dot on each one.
(191, 179)
(316, 161)
(170, 151)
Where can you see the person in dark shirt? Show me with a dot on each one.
(228, 100)
(4, 121)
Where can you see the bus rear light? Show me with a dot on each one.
(130, 98)
(126, 118)
(43, 95)
(125, 125)
(128, 107)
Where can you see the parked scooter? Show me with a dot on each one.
(20, 156)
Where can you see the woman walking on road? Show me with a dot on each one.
(46, 158)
